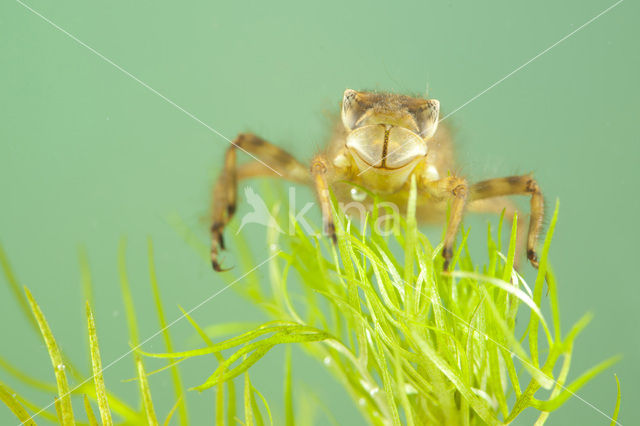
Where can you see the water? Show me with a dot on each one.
(88, 155)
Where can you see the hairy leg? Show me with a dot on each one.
(454, 189)
(319, 175)
(278, 163)
(516, 185)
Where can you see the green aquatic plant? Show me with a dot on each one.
(411, 344)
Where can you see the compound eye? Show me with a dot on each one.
(426, 117)
(367, 143)
(352, 108)
(403, 146)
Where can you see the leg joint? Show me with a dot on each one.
(532, 186)
(447, 252)
(319, 166)
(460, 190)
(243, 139)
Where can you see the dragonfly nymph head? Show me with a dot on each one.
(388, 133)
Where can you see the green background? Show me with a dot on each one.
(88, 155)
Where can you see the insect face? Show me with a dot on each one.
(387, 133)
(386, 136)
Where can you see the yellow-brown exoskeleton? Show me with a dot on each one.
(381, 141)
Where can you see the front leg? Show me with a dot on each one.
(517, 185)
(224, 205)
(279, 163)
(454, 189)
(319, 173)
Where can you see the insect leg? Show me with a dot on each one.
(516, 185)
(278, 162)
(319, 171)
(454, 189)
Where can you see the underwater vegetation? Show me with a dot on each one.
(409, 343)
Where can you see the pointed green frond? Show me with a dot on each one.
(96, 363)
(87, 408)
(8, 397)
(162, 322)
(64, 393)
(145, 391)
(616, 410)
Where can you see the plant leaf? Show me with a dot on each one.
(96, 363)
(64, 394)
(7, 396)
(175, 372)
